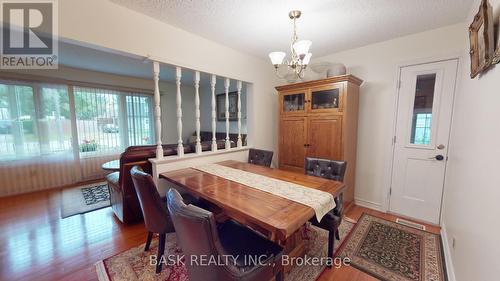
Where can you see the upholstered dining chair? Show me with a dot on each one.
(260, 157)
(198, 235)
(154, 210)
(333, 170)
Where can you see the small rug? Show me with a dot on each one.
(83, 199)
(134, 264)
(394, 252)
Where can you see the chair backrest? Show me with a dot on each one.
(328, 169)
(260, 157)
(197, 235)
(153, 208)
(325, 168)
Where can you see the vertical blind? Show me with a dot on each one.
(35, 119)
(39, 141)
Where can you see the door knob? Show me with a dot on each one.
(438, 157)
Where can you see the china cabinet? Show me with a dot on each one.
(320, 119)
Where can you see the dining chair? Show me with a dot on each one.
(333, 170)
(199, 235)
(154, 210)
(260, 157)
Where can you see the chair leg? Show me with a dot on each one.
(279, 276)
(337, 234)
(148, 242)
(161, 250)
(331, 245)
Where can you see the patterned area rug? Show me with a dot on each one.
(134, 264)
(83, 199)
(394, 252)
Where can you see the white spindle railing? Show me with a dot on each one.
(197, 82)
(226, 87)
(214, 113)
(239, 86)
(157, 111)
(197, 110)
(180, 146)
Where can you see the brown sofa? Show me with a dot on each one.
(123, 197)
(206, 136)
(121, 188)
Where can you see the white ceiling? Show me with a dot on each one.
(258, 27)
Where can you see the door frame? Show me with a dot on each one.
(390, 148)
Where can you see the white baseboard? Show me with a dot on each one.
(450, 270)
(368, 204)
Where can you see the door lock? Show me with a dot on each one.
(438, 157)
(441, 147)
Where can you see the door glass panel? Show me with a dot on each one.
(422, 109)
(325, 99)
(293, 102)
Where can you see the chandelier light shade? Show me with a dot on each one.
(277, 57)
(306, 59)
(300, 55)
(301, 48)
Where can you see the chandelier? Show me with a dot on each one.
(300, 55)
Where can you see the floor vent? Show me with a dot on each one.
(410, 224)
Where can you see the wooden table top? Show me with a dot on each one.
(281, 217)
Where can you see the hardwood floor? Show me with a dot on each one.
(36, 244)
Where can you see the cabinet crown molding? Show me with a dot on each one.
(334, 79)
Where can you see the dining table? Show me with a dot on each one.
(278, 218)
(113, 165)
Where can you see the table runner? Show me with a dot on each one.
(321, 202)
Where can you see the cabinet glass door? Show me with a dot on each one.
(293, 103)
(326, 99)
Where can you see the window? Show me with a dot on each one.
(422, 109)
(110, 120)
(97, 119)
(422, 129)
(31, 128)
(55, 119)
(18, 135)
(139, 120)
(35, 119)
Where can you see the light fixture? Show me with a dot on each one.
(300, 55)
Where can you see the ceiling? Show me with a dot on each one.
(258, 27)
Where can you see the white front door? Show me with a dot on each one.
(423, 122)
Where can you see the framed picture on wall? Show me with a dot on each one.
(233, 106)
(481, 39)
(496, 58)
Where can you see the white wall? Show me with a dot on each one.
(377, 65)
(472, 190)
(206, 108)
(105, 24)
(470, 206)
(168, 103)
